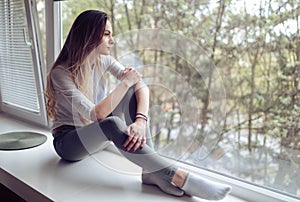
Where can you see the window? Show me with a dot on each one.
(224, 82)
(21, 62)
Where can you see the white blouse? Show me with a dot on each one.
(71, 103)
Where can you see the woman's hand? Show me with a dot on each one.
(136, 135)
(131, 76)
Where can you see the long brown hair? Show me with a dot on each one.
(84, 36)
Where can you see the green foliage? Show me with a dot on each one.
(242, 42)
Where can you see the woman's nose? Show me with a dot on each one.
(111, 40)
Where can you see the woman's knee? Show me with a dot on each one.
(114, 129)
(113, 125)
(114, 122)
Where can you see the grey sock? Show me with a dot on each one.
(164, 185)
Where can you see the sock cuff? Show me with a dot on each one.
(169, 173)
(185, 185)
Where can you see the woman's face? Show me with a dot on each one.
(107, 41)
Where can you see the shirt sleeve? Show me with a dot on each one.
(64, 86)
(113, 66)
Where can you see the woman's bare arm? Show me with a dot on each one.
(142, 97)
(107, 105)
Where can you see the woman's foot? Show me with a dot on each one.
(195, 185)
(165, 186)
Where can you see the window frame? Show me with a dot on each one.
(40, 117)
(241, 189)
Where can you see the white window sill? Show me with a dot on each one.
(37, 174)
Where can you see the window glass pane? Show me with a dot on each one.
(40, 5)
(230, 106)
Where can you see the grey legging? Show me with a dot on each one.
(74, 144)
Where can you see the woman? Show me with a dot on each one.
(84, 116)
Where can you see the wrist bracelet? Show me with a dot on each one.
(141, 114)
(141, 117)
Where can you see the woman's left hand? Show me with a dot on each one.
(136, 135)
